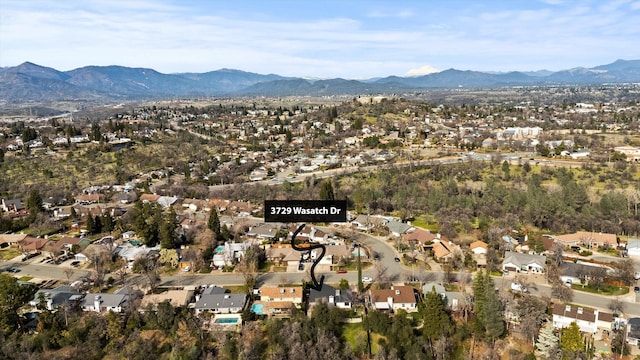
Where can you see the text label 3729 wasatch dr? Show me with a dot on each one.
(305, 210)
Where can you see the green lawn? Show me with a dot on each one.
(356, 337)
(605, 289)
(9, 253)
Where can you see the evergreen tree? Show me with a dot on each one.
(326, 191)
(34, 202)
(97, 224)
(479, 287)
(108, 223)
(167, 230)
(548, 342)
(90, 225)
(571, 340)
(436, 320)
(214, 222)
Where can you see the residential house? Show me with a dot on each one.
(7, 240)
(31, 245)
(479, 252)
(397, 228)
(443, 250)
(12, 205)
(280, 300)
(478, 247)
(220, 303)
(588, 320)
(264, 231)
(103, 302)
(342, 299)
(368, 222)
(574, 273)
(455, 299)
(233, 251)
(633, 331)
(274, 293)
(519, 262)
(195, 204)
(52, 299)
(149, 198)
(588, 239)
(86, 199)
(177, 298)
(632, 153)
(633, 246)
(398, 297)
(63, 246)
(418, 238)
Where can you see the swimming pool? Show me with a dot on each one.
(220, 249)
(226, 321)
(257, 309)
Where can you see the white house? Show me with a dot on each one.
(588, 320)
(519, 262)
(398, 297)
(633, 247)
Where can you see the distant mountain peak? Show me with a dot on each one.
(32, 82)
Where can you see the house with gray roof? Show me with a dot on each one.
(342, 299)
(54, 298)
(454, 299)
(519, 262)
(220, 303)
(397, 228)
(102, 302)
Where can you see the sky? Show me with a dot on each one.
(351, 39)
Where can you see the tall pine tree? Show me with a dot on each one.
(214, 222)
(436, 320)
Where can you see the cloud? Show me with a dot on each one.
(423, 70)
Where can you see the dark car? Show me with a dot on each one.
(397, 259)
(636, 289)
(13, 270)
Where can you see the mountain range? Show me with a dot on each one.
(31, 82)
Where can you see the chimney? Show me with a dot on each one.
(397, 292)
(282, 291)
(96, 303)
(332, 299)
(49, 304)
(337, 292)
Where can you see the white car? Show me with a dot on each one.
(187, 269)
(637, 276)
(367, 279)
(516, 286)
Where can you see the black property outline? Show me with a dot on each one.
(316, 286)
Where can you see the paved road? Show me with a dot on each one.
(396, 271)
(45, 271)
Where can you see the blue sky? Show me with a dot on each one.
(342, 38)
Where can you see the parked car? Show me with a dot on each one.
(516, 286)
(13, 270)
(396, 259)
(367, 279)
(341, 271)
(187, 269)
